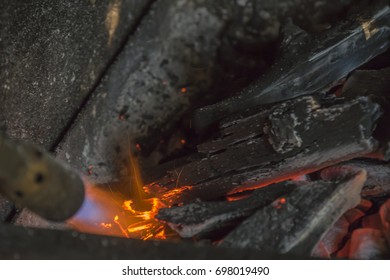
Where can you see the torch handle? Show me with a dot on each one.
(33, 178)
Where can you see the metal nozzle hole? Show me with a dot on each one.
(39, 178)
(19, 194)
(38, 154)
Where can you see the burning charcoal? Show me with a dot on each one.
(372, 221)
(353, 215)
(365, 204)
(165, 69)
(247, 36)
(200, 218)
(368, 82)
(386, 151)
(376, 84)
(384, 213)
(314, 66)
(344, 252)
(6, 208)
(367, 244)
(292, 138)
(297, 225)
(378, 177)
(320, 251)
(332, 240)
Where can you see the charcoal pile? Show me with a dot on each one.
(298, 161)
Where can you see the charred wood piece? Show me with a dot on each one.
(365, 205)
(386, 151)
(368, 244)
(6, 209)
(332, 240)
(299, 223)
(372, 221)
(165, 68)
(202, 218)
(353, 215)
(374, 83)
(378, 176)
(344, 252)
(254, 30)
(313, 66)
(384, 213)
(292, 138)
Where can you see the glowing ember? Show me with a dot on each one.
(279, 202)
(145, 227)
(171, 195)
(238, 196)
(161, 235)
(146, 215)
(295, 176)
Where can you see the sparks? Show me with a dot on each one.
(116, 220)
(106, 225)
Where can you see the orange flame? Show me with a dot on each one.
(141, 209)
(106, 212)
